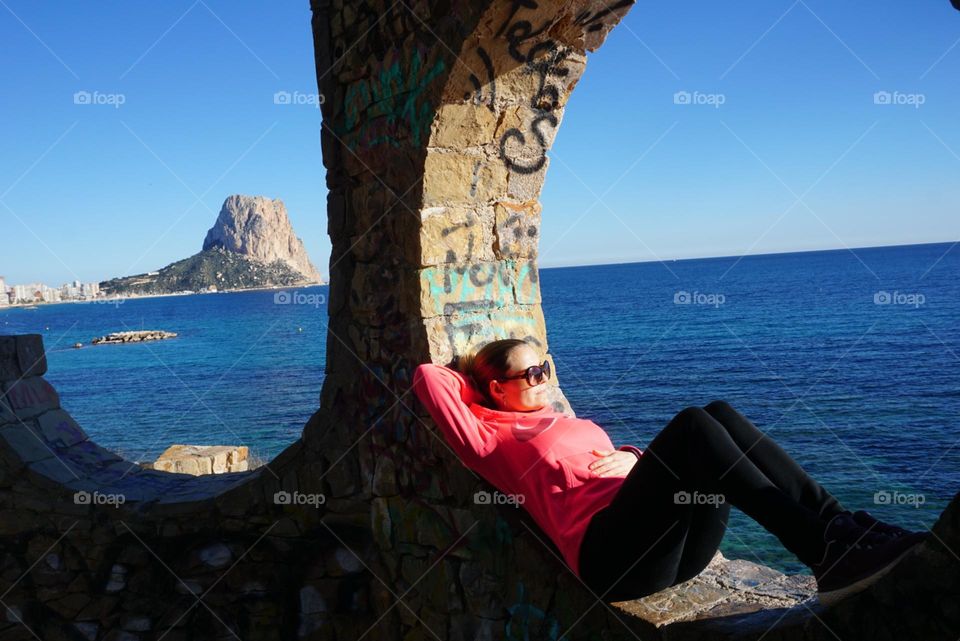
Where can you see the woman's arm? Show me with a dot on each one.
(447, 395)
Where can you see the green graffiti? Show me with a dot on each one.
(381, 109)
(525, 615)
(452, 286)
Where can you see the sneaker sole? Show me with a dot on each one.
(830, 598)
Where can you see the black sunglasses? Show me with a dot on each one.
(535, 374)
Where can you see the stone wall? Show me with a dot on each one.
(436, 122)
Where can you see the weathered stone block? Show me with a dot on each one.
(30, 396)
(59, 429)
(517, 229)
(457, 126)
(478, 288)
(6, 415)
(9, 363)
(25, 442)
(30, 355)
(453, 234)
(452, 178)
(463, 331)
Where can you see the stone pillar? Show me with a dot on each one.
(437, 119)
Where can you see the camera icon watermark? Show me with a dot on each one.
(714, 100)
(698, 298)
(284, 297)
(114, 100)
(83, 497)
(298, 98)
(899, 298)
(698, 498)
(885, 497)
(482, 497)
(914, 100)
(298, 498)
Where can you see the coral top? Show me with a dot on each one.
(541, 455)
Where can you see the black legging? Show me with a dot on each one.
(650, 538)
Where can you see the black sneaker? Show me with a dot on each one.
(893, 531)
(854, 558)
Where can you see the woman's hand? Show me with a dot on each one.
(613, 463)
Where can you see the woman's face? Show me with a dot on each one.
(517, 394)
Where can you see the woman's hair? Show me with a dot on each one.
(488, 363)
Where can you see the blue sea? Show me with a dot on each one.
(850, 359)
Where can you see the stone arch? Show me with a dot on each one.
(437, 116)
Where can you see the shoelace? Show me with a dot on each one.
(866, 538)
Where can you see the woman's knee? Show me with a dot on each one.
(693, 413)
(696, 418)
(718, 406)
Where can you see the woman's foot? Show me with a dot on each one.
(866, 520)
(854, 558)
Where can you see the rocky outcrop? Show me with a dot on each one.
(258, 228)
(202, 459)
(251, 245)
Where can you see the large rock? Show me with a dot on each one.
(202, 459)
(259, 228)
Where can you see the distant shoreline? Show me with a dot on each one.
(108, 301)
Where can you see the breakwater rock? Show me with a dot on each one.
(138, 336)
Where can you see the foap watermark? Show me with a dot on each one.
(106, 301)
(96, 98)
(482, 497)
(898, 98)
(298, 298)
(699, 98)
(885, 497)
(97, 498)
(698, 498)
(298, 498)
(698, 298)
(915, 299)
(298, 98)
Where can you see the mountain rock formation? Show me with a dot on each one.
(251, 245)
(259, 228)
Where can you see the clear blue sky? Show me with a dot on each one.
(93, 191)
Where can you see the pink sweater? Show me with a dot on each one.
(541, 456)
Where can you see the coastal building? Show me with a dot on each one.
(38, 292)
(29, 293)
(50, 294)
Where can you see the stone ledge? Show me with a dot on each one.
(725, 587)
(731, 598)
